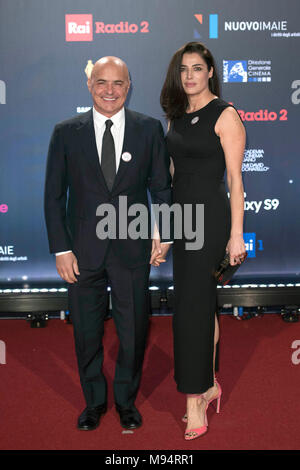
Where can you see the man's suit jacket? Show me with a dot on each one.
(75, 187)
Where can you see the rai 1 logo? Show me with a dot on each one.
(79, 27)
(251, 244)
(213, 26)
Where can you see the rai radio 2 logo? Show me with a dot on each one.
(79, 27)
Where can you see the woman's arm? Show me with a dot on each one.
(171, 167)
(233, 139)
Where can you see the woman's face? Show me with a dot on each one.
(194, 74)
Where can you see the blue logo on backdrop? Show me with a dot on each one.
(243, 71)
(235, 71)
(251, 243)
(213, 26)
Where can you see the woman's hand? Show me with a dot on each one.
(236, 249)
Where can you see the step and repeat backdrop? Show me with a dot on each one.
(47, 50)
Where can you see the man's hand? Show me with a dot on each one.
(67, 267)
(159, 252)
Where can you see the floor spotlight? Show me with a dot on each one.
(38, 320)
(163, 303)
(290, 313)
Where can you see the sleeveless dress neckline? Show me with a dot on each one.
(200, 109)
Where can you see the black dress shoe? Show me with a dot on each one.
(90, 417)
(130, 417)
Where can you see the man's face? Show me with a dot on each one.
(109, 85)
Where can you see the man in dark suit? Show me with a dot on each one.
(94, 159)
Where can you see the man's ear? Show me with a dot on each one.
(89, 84)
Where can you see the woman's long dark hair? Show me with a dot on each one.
(173, 98)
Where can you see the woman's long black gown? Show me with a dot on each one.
(199, 164)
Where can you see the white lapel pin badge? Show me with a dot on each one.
(195, 120)
(126, 157)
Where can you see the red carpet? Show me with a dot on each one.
(40, 395)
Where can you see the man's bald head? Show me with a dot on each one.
(111, 61)
(109, 84)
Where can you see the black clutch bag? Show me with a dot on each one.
(225, 271)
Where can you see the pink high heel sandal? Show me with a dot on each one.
(191, 434)
(218, 398)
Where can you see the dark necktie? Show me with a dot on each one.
(108, 156)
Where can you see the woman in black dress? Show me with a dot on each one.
(205, 137)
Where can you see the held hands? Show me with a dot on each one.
(236, 249)
(67, 267)
(159, 252)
